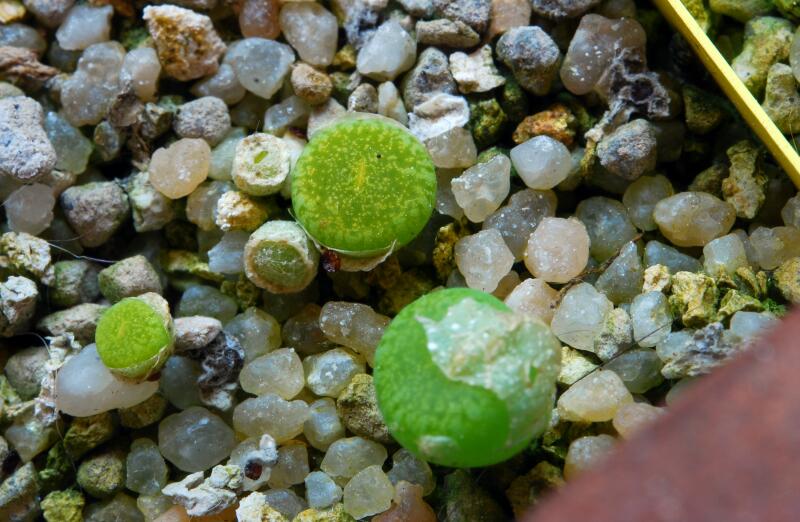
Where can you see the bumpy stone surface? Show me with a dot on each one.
(533, 57)
(358, 408)
(177, 170)
(187, 44)
(781, 102)
(195, 439)
(623, 279)
(694, 298)
(481, 188)
(430, 75)
(270, 414)
(483, 259)
(389, 52)
(247, 58)
(593, 47)
(128, 278)
(773, 246)
(323, 425)
(27, 153)
(475, 72)
(630, 150)
(767, 40)
(557, 250)
(279, 372)
(559, 9)
(311, 30)
(641, 197)
(95, 210)
(348, 456)
(151, 210)
(744, 187)
(206, 118)
(30, 208)
(446, 33)
(85, 25)
(693, 218)
(542, 162)
(89, 93)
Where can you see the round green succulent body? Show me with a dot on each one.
(134, 336)
(363, 186)
(463, 381)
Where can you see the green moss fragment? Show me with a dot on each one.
(102, 475)
(182, 263)
(444, 248)
(410, 285)
(242, 290)
(734, 301)
(513, 100)
(703, 111)
(486, 121)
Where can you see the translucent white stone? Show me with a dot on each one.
(72, 147)
(595, 398)
(437, 115)
(201, 205)
(30, 208)
(85, 25)
(773, 246)
(321, 490)
(222, 156)
(533, 297)
(369, 492)
(260, 65)
(145, 469)
(410, 468)
(195, 439)
(291, 468)
(390, 104)
(279, 372)
(445, 200)
(328, 373)
(483, 259)
(323, 426)
(607, 224)
(272, 415)
(256, 330)
(750, 325)
(633, 416)
(520, 217)
(693, 218)
(141, 69)
(292, 111)
(346, 457)
(226, 256)
(312, 31)
(651, 318)
(178, 169)
(223, 84)
(87, 95)
(179, 382)
(557, 250)
(285, 501)
(584, 452)
(390, 51)
(84, 386)
(580, 316)
(354, 325)
(724, 255)
(640, 199)
(592, 48)
(453, 149)
(481, 189)
(21, 35)
(542, 162)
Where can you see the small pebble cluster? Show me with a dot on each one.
(213, 211)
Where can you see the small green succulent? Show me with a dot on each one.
(463, 381)
(134, 336)
(363, 186)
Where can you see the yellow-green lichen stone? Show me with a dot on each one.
(463, 381)
(363, 186)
